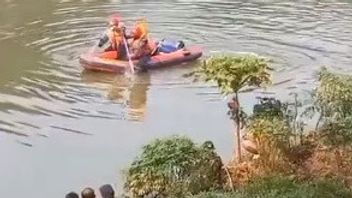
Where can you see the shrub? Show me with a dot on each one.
(275, 129)
(272, 137)
(174, 167)
(337, 132)
(334, 99)
(334, 94)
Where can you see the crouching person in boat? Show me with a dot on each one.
(142, 52)
(141, 46)
(115, 37)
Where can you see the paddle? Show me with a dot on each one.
(129, 55)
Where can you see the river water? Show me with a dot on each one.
(62, 128)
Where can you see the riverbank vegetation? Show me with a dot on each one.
(175, 166)
(281, 157)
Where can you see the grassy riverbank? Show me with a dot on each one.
(276, 157)
(279, 187)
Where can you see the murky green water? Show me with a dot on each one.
(63, 128)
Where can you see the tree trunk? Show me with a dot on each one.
(238, 129)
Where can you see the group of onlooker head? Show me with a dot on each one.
(106, 191)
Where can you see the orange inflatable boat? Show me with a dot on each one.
(102, 62)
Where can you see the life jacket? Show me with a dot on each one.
(140, 49)
(115, 38)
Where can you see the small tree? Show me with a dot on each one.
(232, 73)
(174, 167)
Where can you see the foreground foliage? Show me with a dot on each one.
(283, 187)
(309, 167)
(325, 153)
(334, 101)
(272, 137)
(174, 167)
(334, 94)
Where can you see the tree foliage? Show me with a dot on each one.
(174, 167)
(233, 72)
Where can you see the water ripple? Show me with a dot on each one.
(298, 36)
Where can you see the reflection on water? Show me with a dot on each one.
(131, 93)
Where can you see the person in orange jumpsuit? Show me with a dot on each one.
(115, 36)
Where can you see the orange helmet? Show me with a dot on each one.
(114, 20)
(138, 32)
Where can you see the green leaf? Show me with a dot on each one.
(233, 72)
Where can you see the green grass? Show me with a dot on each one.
(279, 187)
